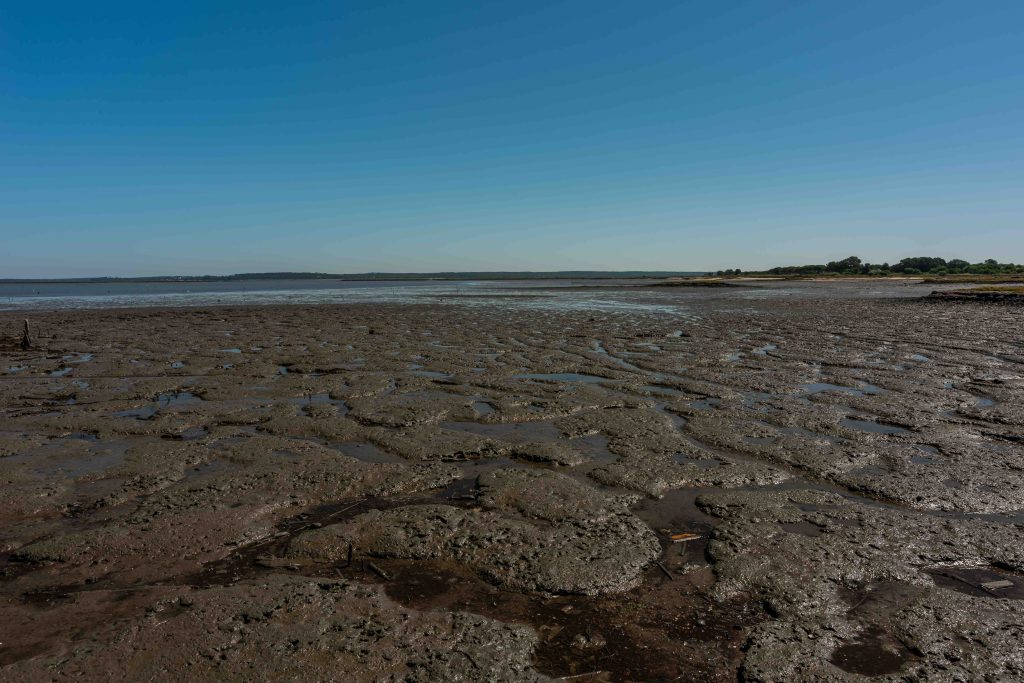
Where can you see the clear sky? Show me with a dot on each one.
(218, 137)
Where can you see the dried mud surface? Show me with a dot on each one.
(481, 492)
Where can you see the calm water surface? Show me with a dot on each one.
(579, 294)
(63, 295)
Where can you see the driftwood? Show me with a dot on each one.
(378, 571)
(683, 538)
(572, 678)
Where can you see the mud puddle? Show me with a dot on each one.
(483, 408)
(803, 528)
(874, 653)
(308, 402)
(172, 400)
(864, 389)
(705, 403)
(980, 581)
(465, 488)
(662, 630)
(677, 513)
(872, 426)
(595, 447)
(599, 347)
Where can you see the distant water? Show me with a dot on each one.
(64, 295)
(561, 294)
(91, 290)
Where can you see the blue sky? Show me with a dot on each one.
(198, 137)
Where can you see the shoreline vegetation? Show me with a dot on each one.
(924, 268)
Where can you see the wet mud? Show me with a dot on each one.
(804, 482)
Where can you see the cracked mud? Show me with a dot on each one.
(467, 490)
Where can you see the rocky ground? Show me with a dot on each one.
(445, 491)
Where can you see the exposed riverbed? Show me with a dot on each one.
(792, 481)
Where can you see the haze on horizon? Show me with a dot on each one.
(143, 139)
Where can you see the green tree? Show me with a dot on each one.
(919, 264)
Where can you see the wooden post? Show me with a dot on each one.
(26, 339)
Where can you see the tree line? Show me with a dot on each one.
(914, 265)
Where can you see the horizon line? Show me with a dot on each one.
(442, 274)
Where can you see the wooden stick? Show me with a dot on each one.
(378, 571)
(589, 673)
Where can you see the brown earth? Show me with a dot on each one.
(479, 491)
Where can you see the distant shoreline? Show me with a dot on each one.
(367, 277)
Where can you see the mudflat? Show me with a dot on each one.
(813, 482)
